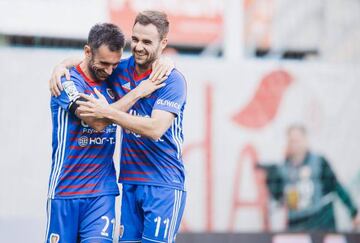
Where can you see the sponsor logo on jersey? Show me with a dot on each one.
(110, 93)
(84, 124)
(54, 238)
(109, 129)
(70, 90)
(83, 141)
(100, 141)
(168, 103)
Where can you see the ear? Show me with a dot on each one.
(87, 51)
(164, 43)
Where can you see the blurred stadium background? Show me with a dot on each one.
(252, 66)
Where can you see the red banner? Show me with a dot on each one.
(192, 22)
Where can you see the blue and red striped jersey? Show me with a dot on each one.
(143, 160)
(82, 158)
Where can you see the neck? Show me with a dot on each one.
(140, 69)
(297, 159)
(85, 68)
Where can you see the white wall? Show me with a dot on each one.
(63, 19)
(324, 97)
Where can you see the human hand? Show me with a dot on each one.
(55, 85)
(161, 68)
(93, 107)
(356, 221)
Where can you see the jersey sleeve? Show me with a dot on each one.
(70, 93)
(172, 97)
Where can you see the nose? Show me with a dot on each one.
(109, 69)
(139, 46)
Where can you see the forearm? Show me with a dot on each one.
(346, 199)
(145, 126)
(331, 184)
(126, 102)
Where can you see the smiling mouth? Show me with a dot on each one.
(140, 54)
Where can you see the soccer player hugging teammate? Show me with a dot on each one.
(82, 184)
(151, 168)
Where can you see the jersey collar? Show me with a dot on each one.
(138, 77)
(87, 79)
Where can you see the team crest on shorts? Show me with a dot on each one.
(54, 238)
(121, 231)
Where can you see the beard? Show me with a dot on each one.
(145, 59)
(97, 74)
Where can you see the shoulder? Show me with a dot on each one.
(75, 77)
(324, 160)
(124, 64)
(74, 86)
(317, 156)
(177, 78)
(175, 86)
(176, 75)
(320, 159)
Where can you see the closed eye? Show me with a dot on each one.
(147, 42)
(134, 39)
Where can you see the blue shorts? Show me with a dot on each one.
(150, 213)
(82, 220)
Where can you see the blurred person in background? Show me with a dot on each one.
(307, 186)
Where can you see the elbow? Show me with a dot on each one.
(156, 134)
(157, 130)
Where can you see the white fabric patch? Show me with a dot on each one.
(70, 90)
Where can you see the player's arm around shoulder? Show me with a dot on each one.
(59, 71)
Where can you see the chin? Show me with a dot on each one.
(140, 59)
(141, 62)
(99, 79)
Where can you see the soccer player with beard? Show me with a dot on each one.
(151, 168)
(82, 185)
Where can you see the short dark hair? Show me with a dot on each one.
(297, 127)
(106, 34)
(157, 18)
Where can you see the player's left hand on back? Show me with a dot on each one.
(161, 68)
(93, 107)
